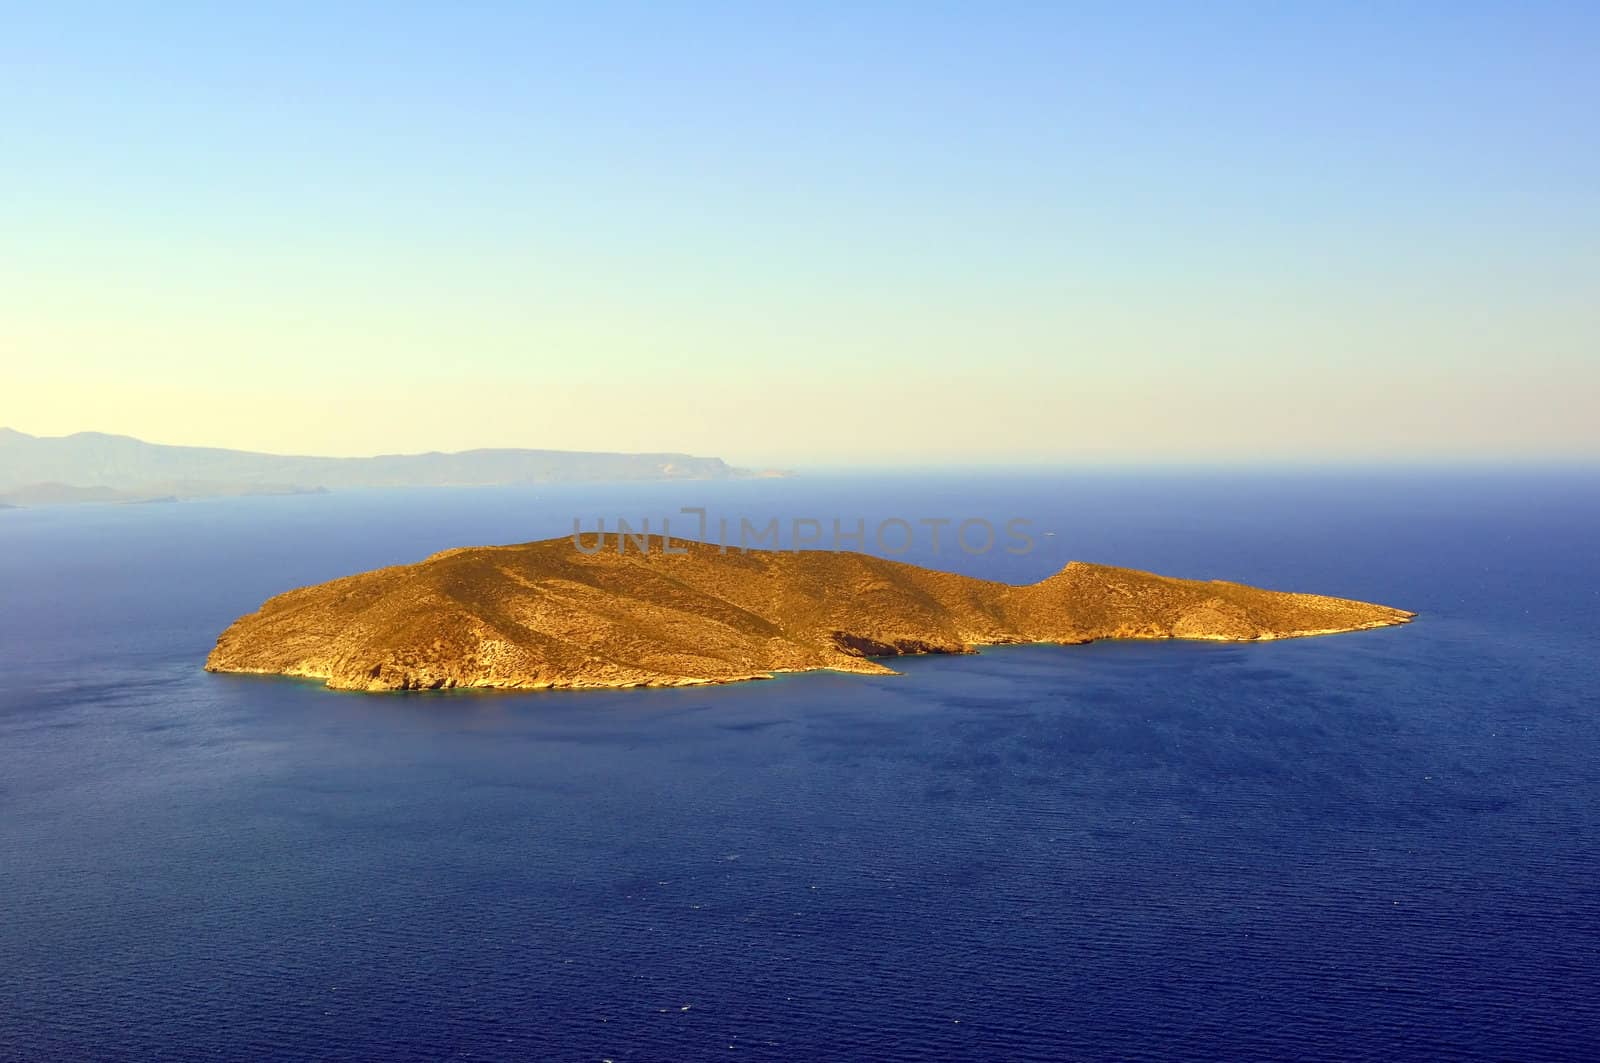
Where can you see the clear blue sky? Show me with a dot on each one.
(807, 233)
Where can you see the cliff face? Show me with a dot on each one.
(542, 615)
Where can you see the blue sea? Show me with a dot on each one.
(1382, 845)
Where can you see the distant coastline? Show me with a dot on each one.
(96, 467)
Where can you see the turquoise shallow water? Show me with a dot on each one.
(1376, 845)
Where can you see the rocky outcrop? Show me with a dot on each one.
(546, 615)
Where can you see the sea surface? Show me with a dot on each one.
(1380, 845)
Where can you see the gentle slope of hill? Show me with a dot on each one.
(544, 614)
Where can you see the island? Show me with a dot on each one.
(547, 615)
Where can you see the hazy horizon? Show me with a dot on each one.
(809, 237)
(1087, 464)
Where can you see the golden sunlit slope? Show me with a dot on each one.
(544, 614)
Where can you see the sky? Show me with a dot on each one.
(892, 233)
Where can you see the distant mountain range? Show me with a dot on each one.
(95, 467)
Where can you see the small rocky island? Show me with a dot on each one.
(547, 615)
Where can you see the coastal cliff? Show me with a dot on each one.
(546, 615)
